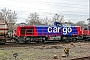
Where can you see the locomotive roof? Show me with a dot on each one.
(35, 25)
(45, 26)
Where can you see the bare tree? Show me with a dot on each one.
(69, 22)
(45, 21)
(1, 16)
(57, 18)
(33, 19)
(61, 19)
(80, 23)
(10, 16)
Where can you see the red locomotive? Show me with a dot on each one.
(61, 32)
(86, 32)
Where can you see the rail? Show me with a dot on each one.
(82, 58)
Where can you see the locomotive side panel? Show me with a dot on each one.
(48, 30)
(25, 31)
(89, 30)
(86, 31)
(71, 31)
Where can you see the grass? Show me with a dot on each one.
(24, 54)
(37, 53)
(3, 54)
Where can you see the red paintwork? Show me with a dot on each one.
(79, 30)
(35, 32)
(18, 31)
(86, 32)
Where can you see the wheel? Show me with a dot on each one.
(74, 40)
(37, 41)
(61, 39)
(43, 41)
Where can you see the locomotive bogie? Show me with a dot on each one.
(30, 39)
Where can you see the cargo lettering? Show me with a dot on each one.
(67, 30)
(53, 29)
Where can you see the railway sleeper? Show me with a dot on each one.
(82, 58)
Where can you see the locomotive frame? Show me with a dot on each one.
(24, 34)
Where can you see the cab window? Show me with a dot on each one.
(89, 27)
(85, 28)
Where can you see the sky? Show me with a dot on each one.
(72, 10)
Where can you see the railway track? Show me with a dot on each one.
(12, 44)
(82, 58)
(32, 44)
